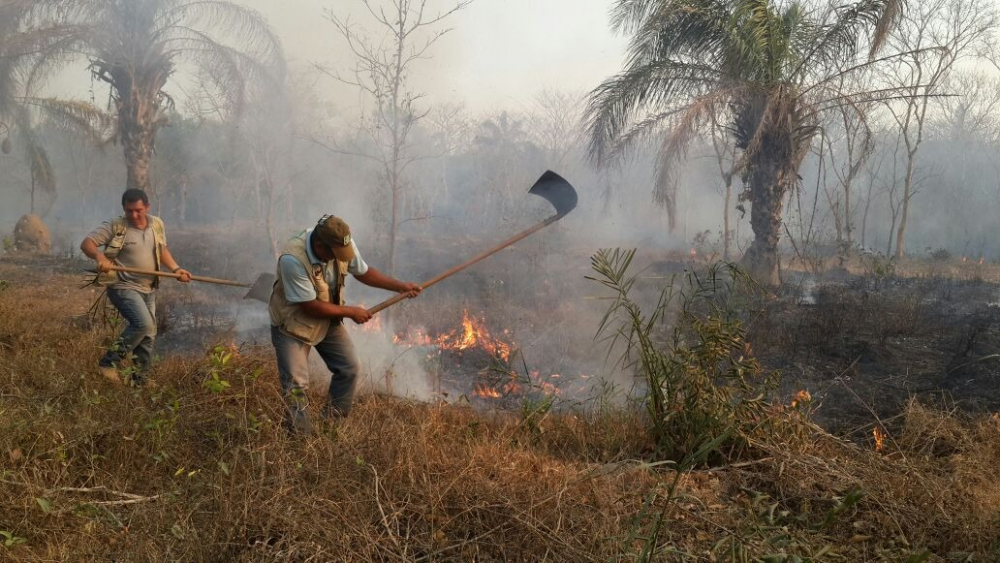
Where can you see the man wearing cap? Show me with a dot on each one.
(134, 240)
(307, 310)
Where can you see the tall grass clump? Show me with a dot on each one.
(703, 383)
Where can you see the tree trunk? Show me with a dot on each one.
(393, 223)
(138, 99)
(726, 242)
(864, 217)
(848, 220)
(137, 141)
(272, 239)
(182, 208)
(766, 198)
(905, 204)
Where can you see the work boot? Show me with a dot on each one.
(143, 381)
(297, 422)
(140, 378)
(110, 373)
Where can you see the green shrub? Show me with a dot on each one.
(703, 383)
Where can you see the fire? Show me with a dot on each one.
(879, 436)
(801, 398)
(473, 333)
(546, 387)
(484, 391)
(469, 335)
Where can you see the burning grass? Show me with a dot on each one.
(197, 470)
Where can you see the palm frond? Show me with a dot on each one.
(675, 29)
(78, 115)
(244, 26)
(233, 73)
(42, 175)
(627, 16)
(614, 104)
(838, 39)
(686, 127)
(638, 133)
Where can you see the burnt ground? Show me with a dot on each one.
(863, 348)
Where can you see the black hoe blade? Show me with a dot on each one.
(557, 191)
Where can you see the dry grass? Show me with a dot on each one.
(95, 472)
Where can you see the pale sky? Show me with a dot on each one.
(500, 53)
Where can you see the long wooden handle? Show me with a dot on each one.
(173, 275)
(485, 254)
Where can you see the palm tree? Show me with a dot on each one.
(769, 63)
(136, 46)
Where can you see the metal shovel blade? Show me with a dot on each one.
(261, 289)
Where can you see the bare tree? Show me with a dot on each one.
(971, 109)
(725, 159)
(933, 36)
(451, 130)
(555, 126)
(853, 143)
(382, 64)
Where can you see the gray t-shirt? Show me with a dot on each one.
(138, 251)
(295, 278)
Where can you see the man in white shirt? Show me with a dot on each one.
(307, 310)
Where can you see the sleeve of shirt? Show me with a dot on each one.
(295, 279)
(357, 266)
(101, 235)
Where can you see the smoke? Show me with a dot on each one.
(386, 367)
(232, 194)
(389, 368)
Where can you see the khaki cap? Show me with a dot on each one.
(335, 233)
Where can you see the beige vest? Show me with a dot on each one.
(119, 225)
(289, 317)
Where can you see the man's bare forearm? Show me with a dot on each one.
(325, 310)
(168, 260)
(375, 278)
(90, 248)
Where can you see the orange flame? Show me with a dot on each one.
(484, 391)
(879, 436)
(473, 334)
(542, 385)
(802, 397)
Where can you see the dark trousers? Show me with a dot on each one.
(337, 351)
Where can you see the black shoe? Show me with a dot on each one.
(298, 424)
